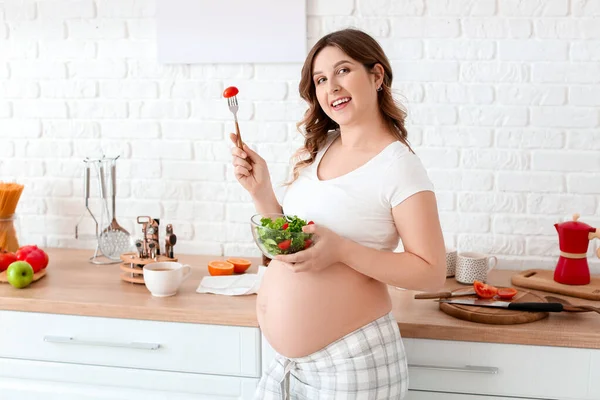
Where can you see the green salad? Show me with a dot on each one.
(283, 235)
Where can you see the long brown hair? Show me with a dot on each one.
(316, 124)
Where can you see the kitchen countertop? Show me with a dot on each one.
(74, 286)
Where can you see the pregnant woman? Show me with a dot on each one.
(326, 310)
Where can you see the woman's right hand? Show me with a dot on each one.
(254, 175)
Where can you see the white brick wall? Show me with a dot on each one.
(503, 99)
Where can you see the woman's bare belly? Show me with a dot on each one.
(300, 313)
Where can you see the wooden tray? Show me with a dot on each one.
(543, 279)
(496, 316)
(36, 277)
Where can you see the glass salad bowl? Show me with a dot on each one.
(277, 234)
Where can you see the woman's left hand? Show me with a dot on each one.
(325, 252)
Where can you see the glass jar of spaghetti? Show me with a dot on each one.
(10, 193)
(9, 233)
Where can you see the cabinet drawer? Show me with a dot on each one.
(34, 380)
(595, 373)
(499, 369)
(169, 346)
(418, 395)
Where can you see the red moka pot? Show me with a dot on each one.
(574, 238)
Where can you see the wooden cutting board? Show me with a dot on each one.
(37, 276)
(496, 316)
(541, 279)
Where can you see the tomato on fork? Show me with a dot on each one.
(230, 92)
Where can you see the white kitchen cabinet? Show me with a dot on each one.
(24, 380)
(67, 357)
(267, 353)
(594, 373)
(492, 369)
(168, 346)
(461, 370)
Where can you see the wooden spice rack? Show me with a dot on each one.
(132, 266)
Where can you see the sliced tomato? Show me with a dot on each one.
(484, 290)
(285, 244)
(230, 92)
(507, 293)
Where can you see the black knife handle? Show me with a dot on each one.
(548, 307)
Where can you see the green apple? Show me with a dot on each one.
(19, 274)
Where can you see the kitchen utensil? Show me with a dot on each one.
(150, 236)
(541, 279)
(115, 239)
(170, 241)
(440, 295)
(520, 306)
(105, 215)
(86, 194)
(230, 94)
(572, 307)
(496, 316)
(99, 258)
(574, 238)
(152, 248)
(139, 244)
(144, 221)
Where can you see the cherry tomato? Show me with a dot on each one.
(230, 92)
(285, 244)
(507, 293)
(307, 243)
(285, 226)
(484, 290)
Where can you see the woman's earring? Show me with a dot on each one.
(380, 88)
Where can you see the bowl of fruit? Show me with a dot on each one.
(277, 234)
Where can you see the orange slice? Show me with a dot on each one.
(240, 265)
(218, 267)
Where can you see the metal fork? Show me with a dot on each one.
(233, 107)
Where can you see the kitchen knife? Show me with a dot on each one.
(440, 295)
(525, 306)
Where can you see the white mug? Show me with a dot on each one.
(471, 267)
(164, 278)
(450, 262)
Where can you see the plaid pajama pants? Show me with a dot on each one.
(367, 364)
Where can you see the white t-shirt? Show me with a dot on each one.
(358, 205)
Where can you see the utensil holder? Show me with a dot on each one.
(97, 168)
(132, 267)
